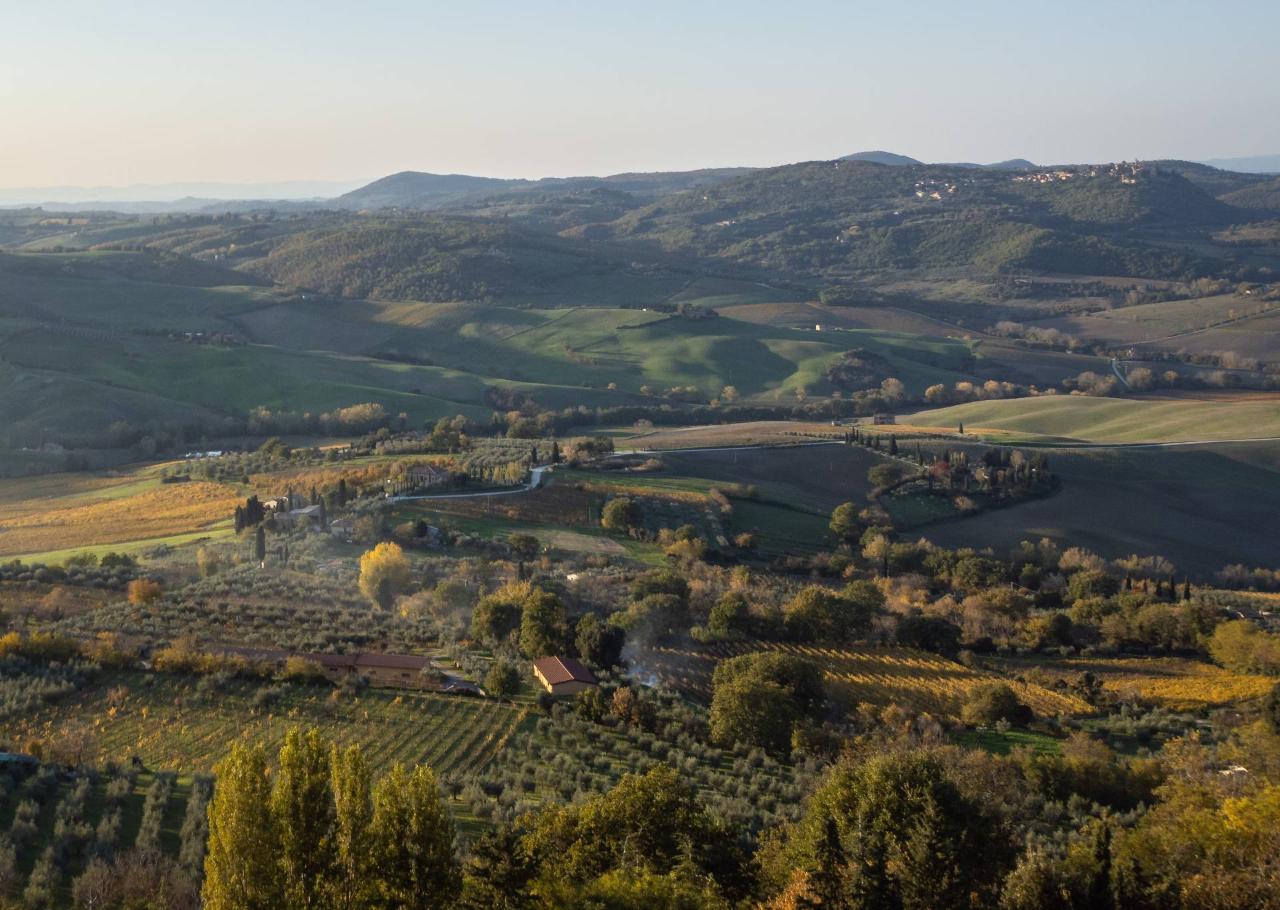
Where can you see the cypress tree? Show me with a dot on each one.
(828, 880)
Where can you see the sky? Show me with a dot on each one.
(130, 92)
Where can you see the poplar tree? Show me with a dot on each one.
(413, 842)
(240, 871)
(352, 883)
(302, 807)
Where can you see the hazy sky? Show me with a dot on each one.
(111, 92)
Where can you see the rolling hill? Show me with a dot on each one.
(828, 220)
(1264, 195)
(1082, 418)
(427, 192)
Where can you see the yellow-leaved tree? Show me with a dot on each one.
(384, 573)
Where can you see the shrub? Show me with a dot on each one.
(990, 703)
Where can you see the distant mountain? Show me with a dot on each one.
(1254, 164)
(428, 192)
(895, 160)
(1013, 164)
(889, 158)
(417, 190)
(186, 205)
(81, 198)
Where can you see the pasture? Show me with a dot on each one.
(1202, 507)
(726, 435)
(1150, 419)
(1162, 324)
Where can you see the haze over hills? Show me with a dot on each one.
(191, 194)
(1255, 164)
(429, 191)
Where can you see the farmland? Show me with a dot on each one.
(1188, 503)
(1166, 324)
(1174, 683)
(1117, 420)
(175, 724)
(72, 512)
(916, 680)
(702, 381)
(755, 433)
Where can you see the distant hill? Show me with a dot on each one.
(1254, 164)
(1213, 180)
(888, 158)
(81, 198)
(427, 192)
(828, 218)
(442, 258)
(415, 190)
(895, 160)
(1264, 195)
(1013, 164)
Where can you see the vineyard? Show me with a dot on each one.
(186, 724)
(103, 513)
(1173, 683)
(916, 680)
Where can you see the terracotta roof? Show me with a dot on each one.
(556, 670)
(392, 661)
(337, 661)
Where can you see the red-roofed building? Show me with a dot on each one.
(563, 675)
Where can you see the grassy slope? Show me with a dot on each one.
(1202, 507)
(1118, 420)
(70, 335)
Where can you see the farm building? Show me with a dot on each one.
(881, 419)
(305, 515)
(394, 669)
(405, 671)
(563, 675)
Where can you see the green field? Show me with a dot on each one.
(1153, 322)
(92, 339)
(1115, 420)
(1202, 507)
